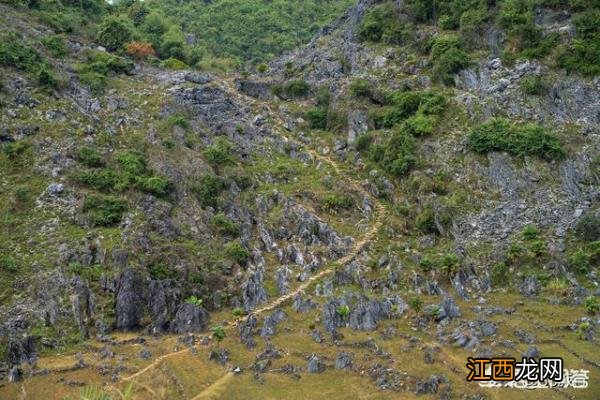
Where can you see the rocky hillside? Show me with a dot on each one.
(417, 185)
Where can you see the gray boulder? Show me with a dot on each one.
(315, 365)
(343, 361)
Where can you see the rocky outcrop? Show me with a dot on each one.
(253, 292)
(190, 318)
(131, 301)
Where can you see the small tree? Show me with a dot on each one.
(115, 32)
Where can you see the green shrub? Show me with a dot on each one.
(8, 264)
(46, 78)
(336, 202)
(237, 252)
(114, 32)
(530, 232)
(317, 118)
(173, 44)
(323, 97)
(397, 156)
(261, 68)
(15, 150)
(416, 304)
(160, 271)
(178, 120)
(132, 162)
(208, 189)
(427, 263)
(447, 22)
(425, 220)
(225, 225)
(194, 301)
(94, 80)
(582, 56)
(360, 88)
(173, 63)
(16, 54)
(592, 305)
(237, 312)
(421, 124)
(449, 264)
(530, 139)
(105, 180)
(580, 262)
(500, 274)
(218, 333)
(219, 153)
(104, 210)
(56, 45)
(297, 88)
(156, 185)
(588, 227)
(90, 157)
(534, 85)
(59, 21)
(448, 58)
(363, 142)
(94, 71)
(343, 311)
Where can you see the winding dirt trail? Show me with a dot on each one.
(215, 388)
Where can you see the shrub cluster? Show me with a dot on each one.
(292, 89)
(98, 66)
(382, 24)
(15, 53)
(129, 171)
(104, 210)
(530, 139)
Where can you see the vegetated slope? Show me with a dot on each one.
(419, 184)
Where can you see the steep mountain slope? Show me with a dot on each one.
(352, 220)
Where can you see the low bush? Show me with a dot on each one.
(592, 305)
(336, 202)
(534, 85)
(500, 274)
(360, 88)
(363, 142)
(208, 189)
(56, 45)
(293, 89)
(522, 140)
(382, 24)
(317, 118)
(397, 156)
(8, 264)
(588, 227)
(225, 225)
(156, 185)
(15, 150)
(237, 252)
(104, 210)
(447, 59)
(173, 63)
(16, 54)
(90, 157)
(160, 271)
(219, 153)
